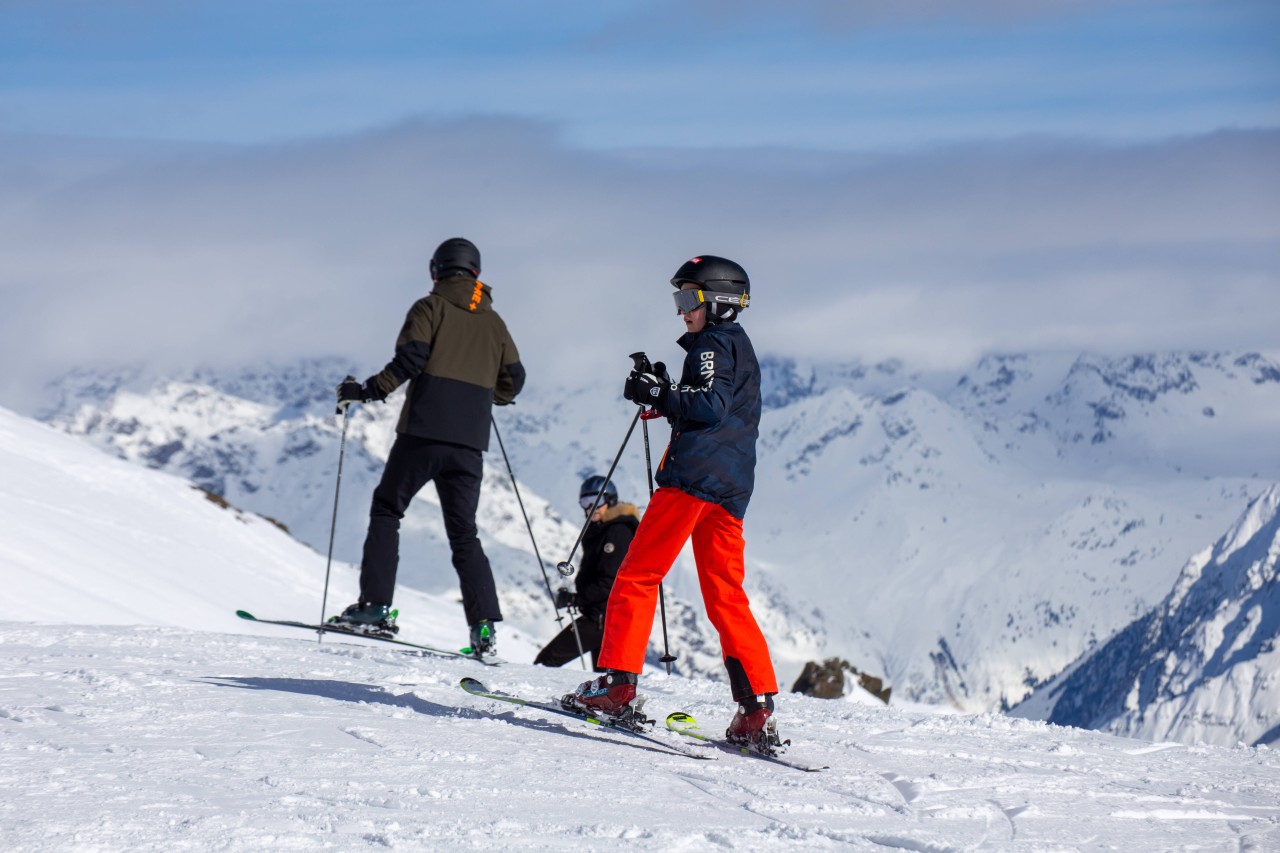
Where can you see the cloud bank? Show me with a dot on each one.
(175, 255)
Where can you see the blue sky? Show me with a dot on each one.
(211, 181)
(826, 75)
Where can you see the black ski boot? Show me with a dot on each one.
(363, 618)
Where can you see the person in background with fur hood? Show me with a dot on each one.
(604, 544)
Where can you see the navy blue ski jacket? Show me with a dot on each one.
(715, 419)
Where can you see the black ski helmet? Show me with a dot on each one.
(725, 280)
(456, 253)
(591, 488)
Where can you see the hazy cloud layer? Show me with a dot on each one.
(187, 254)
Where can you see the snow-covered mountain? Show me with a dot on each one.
(967, 536)
(1201, 667)
(972, 539)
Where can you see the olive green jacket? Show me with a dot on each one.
(458, 358)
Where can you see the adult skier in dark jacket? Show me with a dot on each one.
(459, 359)
(706, 476)
(604, 544)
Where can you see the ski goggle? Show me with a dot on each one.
(691, 300)
(588, 501)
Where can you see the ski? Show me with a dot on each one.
(334, 629)
(477, 688)
(684, 724)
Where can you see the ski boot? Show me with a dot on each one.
(484, 640)
(378, 620)
(754, 726)
(611, 697)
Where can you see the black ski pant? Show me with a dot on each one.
(564, 647)
(456, 471)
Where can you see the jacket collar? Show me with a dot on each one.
(724, 327)
(465, 291)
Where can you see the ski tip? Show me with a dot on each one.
(678, 720)
(472, 685)
(245, 614)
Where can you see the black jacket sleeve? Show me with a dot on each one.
(510, 383)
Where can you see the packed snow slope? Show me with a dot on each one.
(90, 538)
(148, 738)
(1202, 666)
(967, 536)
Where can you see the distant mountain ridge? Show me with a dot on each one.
(968, 535)
(1201, 666)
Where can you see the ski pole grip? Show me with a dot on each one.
(641, 362)
(342, 410)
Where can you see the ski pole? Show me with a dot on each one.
(565, 567)
(537, 555)
(648, 415)
(333, 525)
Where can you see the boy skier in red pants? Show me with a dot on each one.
(706, 477)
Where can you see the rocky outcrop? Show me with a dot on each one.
(828, 680)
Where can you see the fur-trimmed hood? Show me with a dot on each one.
(619, 510)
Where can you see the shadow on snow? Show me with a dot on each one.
(371, 694)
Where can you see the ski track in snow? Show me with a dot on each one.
(141, 738)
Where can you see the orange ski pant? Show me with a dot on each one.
(670, 520)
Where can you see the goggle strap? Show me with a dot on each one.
(729, 299)
(690, 300)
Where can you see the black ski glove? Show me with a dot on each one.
(565, 597)
(647, 389)
(350, 391)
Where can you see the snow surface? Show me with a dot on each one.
(149, 736)
(143, 737)
(93, 539)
